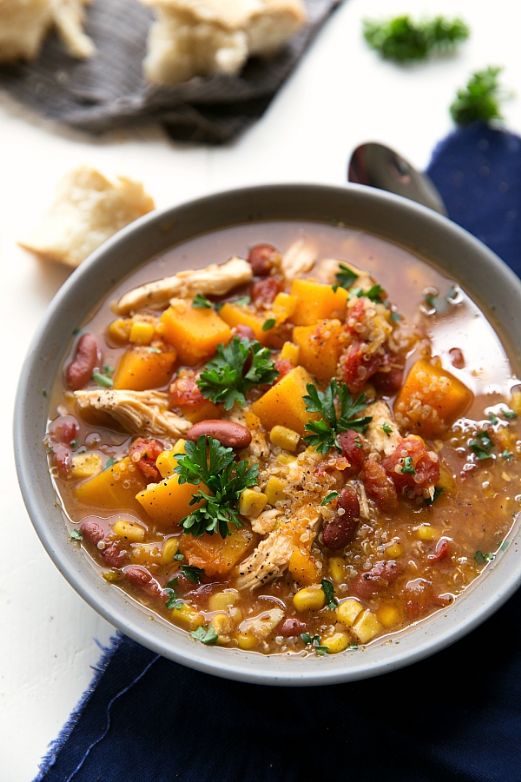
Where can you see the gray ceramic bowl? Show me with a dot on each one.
(483, 276)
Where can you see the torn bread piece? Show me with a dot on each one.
(88, 209)
(216, 279)
(206, 37)
(25, 23)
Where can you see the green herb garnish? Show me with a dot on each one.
(329, 498)
(314, 641)
(206, 635)
(506, 454)
(387, 428)
(431, 500)
(269, 324)
(395, 316)
(237, 367)
(403, 39)
(508, 413)
(173, 601)
(179, 557)
(483, 557)
(75, 534)
(200, 302)
(111, 461)
(482, 445)
(374, 293)
(207, 461)
(492, 417)
(345, 277)
(329, 593)
(102, 379)
(479, 99)
(192, 573)
(338, 412)
(407, 466)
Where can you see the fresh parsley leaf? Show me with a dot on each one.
(102, 379)
(179, 557)
(200, 302)
(482, 445)
(506, 454)
(508, 413)
(479, 99)
(329, 593)
(483, 557)
(387, 428)
(431, 500)
(108, 370)
(237, 367)
(395, 316)
(206, 635)
(192, 573)
(332, 495)
(242, 301)
(407, 466)
(374, 293)
(403, 39)
(314, 641)
(75, 534)
(492, 417)
(269, 324)
(173, 601)
(208, 462)
(339, 413)
(345, 277)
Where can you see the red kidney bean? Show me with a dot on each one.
(457, 359)
(114, 555)
(263, 292)
(244, 331)
(64, 429)
(390, 382)
(381, 575)
(94, 532)
(341, 530)
(61, 457)
(227, 432)
(144, 453)
(87, 356)
(143, 579)
(290, 627)
(354, 448)
(263, 258)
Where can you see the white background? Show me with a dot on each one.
(341, 95)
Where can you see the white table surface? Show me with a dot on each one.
(341, 95)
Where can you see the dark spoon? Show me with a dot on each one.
(379, 166)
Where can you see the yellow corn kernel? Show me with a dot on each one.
(515, 402)
(393, 551)
(275, 490)
(141, 332)
(336, 643)
(425, 532)
(348, 611)
(187, 616)
(388, 616)
(252, 503)
(336, 569)
(166, 461)
(119, 330)
(285, 459)
(129, 530)
(86, 465)
(284, 438)
(223, 600)
(169, 550)
(310, 598)
(290, 352)
(446, 480)
(235, 614)
(246, 641)
(366, 627)
(111, 576)
(223, 625)
(146, 553)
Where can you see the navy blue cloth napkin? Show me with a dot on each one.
(455, 716)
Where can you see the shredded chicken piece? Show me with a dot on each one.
(381, 440)
(266, 521)
(365, 512)
(216, 279)
(135, 411)
(271, 557)
(263, 624)
(298, 259)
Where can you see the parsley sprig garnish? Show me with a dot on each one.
(192, 573)
(480, 98)
(237, 367)
(339, 412)
(208, 462)
(403, 39)
(345, 277)
(374, 293)
(329, 594)
(200, 302)
(314, 642)
(170, 590)
(207, 635)
(482, 445)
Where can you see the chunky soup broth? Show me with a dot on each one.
(341, 415)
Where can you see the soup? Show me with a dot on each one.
(305, 448)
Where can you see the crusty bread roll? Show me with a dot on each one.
(205, 37)
(87, 210)
(25, 23)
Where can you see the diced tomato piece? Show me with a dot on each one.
(283, 366)
(421, 598)
(378, 485)
(184, 391)
(264, 291)
(354, 448)
(355, 317)
(244, 331)
(144, 453)
(389, 379)
(411, 465)
(381, 576)
(358, 366)
(441, 550)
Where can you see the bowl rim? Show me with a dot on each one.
(139, 628)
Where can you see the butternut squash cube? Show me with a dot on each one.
(283, 307)
(168, 502)
(316, 301)
(283, 404)
(114, 488)
(290, 352)
(303, 567)
(217, 556)
(141, 368)
(166, 462)
(195, 333)
(236, 315)
(319, 347)
(431, 399)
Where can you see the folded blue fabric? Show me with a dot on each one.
(456, 716)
